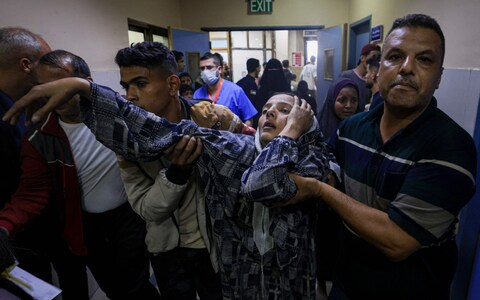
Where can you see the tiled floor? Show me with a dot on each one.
(96, 292)
(98, 295)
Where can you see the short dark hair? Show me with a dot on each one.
(58, 58)
(150, 55)
(285, 63)
(185, 74)
(217, 58)
(302, 87)
(373, 61)
(177, 55)
(184, 88)
(252, 64)
(420, 21)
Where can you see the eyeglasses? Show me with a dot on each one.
(208, 67)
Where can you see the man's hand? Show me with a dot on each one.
(185, 152)
(45, 98)
(299, 120)
(306, 189)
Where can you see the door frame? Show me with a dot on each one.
(352, 39)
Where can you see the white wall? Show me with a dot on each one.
(459, 20)
(217, 13)
(281, 45)
(459, 90)
(94, 30)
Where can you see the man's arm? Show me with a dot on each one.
(33, 193)
(369, 223)
(45, 98)
(126, 129)
(149, 192)
(246, 109)
(155, 194)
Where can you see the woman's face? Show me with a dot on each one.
(274, 117)
(346, 102)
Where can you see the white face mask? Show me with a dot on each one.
(210, 77)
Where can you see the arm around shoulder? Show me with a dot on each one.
(371, 224)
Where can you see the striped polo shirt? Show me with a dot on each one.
(421, 177)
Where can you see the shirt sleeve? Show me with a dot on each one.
(200, 93)
(267, 181)
(430, 195)
(154, 198)
(245, 107)
(127, 129)
(34, 191)
(138, 135)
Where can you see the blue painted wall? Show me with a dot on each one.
(190, 41)
(466, 284)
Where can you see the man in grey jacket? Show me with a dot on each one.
(162, 192)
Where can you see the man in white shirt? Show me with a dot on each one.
(309, 74)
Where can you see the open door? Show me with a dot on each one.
(193, 44)
(331, 59)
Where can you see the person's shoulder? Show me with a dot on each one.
(201, 92)
(227, 82)
(448, 129)
(232, 86)
(356, 121)
(346, 73)
(243, 81)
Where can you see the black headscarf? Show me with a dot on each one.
(327, 117)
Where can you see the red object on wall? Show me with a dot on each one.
(296, 59)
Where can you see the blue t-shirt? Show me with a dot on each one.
(233, 97)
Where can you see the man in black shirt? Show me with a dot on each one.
(248, 83)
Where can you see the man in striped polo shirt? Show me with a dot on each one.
(407, 171)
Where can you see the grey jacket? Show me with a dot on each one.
(158, 201)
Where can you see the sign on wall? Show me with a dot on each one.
(377, 33)
(260, 6)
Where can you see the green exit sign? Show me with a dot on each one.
(260, 6)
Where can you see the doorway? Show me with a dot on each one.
(359, 36)
(264, 43)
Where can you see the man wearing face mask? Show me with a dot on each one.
(222, 91)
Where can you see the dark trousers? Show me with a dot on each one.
(72, 272)
(181, 273)
(117, 254)
(40, 246)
